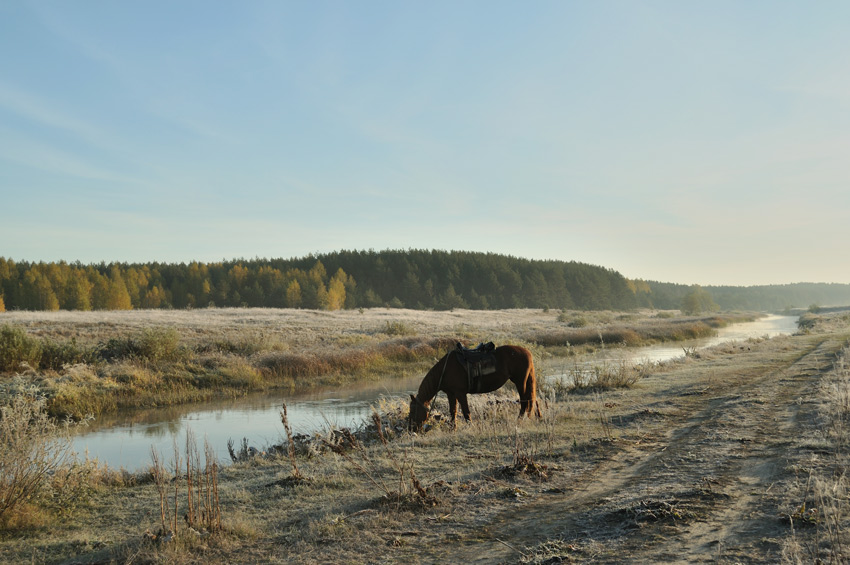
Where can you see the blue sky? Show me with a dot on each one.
(689, 142)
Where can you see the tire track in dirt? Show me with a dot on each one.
(701, 489)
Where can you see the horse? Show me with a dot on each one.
(513, 363)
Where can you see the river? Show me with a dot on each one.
(125, 439)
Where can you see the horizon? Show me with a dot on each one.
(697, 143)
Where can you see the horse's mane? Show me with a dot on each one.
(430, 385)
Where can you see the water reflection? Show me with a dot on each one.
(125, 440)
(769, 326)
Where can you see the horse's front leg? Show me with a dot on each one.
(464, 407)
(453, 408)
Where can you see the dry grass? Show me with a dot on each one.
(408, 495)
(633, 331)
(98, 362)
(819, 505)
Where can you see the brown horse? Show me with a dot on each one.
(513, 363)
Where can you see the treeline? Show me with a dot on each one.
(773, 298)
(423, 279)
(118, 286)
(346, 279)
(418, 279)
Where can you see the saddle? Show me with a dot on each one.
(478, 361)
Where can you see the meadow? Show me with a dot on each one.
(90, 363)
(730, 454)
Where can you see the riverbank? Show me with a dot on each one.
(93, 363)
(728, 455)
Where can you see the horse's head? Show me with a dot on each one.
(417, 415)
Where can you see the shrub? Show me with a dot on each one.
(398, 328)
(587, 336)
(17, 347)
(56, 355)
(31, 450)
(572, 320)
(160, 344)
(117, 348)
(807, 322)
(153, 345)
(605, 377)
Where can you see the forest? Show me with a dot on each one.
(417, 279)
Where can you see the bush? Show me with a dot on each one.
(153, 345)
(56, 355)
(398, 328)
(160, 344)
(587, 336)
(31, 451)
(17, 347)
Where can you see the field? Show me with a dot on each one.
(90, 363)
(736, 454)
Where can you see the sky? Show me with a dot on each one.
(699, 142)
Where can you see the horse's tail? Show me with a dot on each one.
(535, 404)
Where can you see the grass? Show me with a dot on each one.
(385, 493)
(818, 511)
(598, 377)
(632, 332)
(99, 362)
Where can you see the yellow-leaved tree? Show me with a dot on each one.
(38, 292)
(336, 290)
(110, 293)
(293, 294)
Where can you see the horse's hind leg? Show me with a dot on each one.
(523, 399)
(523, 407)
(527, 399)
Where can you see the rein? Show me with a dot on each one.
(440, 382)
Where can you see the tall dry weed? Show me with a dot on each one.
(201, 500)
(33, 447)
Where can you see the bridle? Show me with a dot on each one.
(424, 407)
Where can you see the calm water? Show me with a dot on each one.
(125, 440)
(769, 326)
